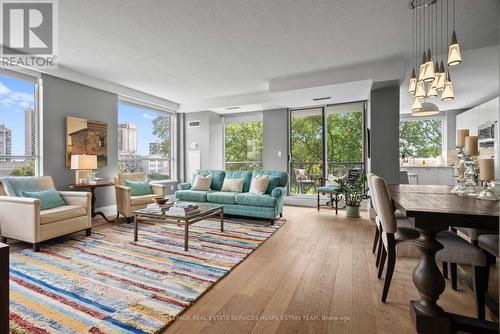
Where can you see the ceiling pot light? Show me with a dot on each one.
(454, 55)
(428, 109)
(416, 106)
(420, 90)
(448, 94)
(413, 82)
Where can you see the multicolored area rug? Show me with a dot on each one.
(108, 284)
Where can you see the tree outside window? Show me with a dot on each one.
(243, 146)
(421, 138)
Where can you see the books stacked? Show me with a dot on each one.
(183, 209)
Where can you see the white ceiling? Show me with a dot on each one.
(192, 50)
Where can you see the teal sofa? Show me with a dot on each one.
(267, 206)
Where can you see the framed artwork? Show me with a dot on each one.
(86, 137)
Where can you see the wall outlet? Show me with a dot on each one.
(171, 187)
(279, 153)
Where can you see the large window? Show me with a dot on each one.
(243, 146)
(421, 138)
(19, 117)
(323, 140)
(146, 141)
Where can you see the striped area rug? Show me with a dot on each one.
(108, 284)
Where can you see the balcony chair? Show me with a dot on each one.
(304, 181)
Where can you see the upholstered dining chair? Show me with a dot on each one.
(456, 249)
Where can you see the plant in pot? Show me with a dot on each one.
(354, 196)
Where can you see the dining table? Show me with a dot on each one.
(432, 209)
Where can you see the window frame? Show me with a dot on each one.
(36, 79)
(444, 127)
(146, 106)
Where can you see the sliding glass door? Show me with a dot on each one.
(322, 141)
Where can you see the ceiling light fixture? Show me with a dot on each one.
(454, 55)
(428, 109)
(416, 106)
(448, 94)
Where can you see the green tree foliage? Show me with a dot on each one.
(243, 143)
(24, 170)
(420, 138)
(306, 143)
(345, 137)
(162, 128)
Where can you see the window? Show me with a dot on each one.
(243, 146)
(421, 138)
(322, 140)
(146, 141)
(19, 117)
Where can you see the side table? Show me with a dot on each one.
(92, 187)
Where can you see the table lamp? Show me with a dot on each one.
(83, 166)
(487, 174)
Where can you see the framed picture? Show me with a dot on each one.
(86, 137)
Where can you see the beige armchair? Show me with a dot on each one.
(126, 204)
(22, 219)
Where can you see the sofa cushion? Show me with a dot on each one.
(192, 195)
(246, 176)
(217, 177)
(142, 199)
(259, 185)
(202, 182)
(137, 176)
(233, 185)
(61, 213)
(255, 200)
(276, 178)
(221, 197)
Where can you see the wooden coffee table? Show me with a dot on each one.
(206, 210)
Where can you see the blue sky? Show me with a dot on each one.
(15, 97)
(143, 120)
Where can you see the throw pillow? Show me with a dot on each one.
(139, 188)
(300, 174)
(202, 182)
(259, 185)
(49, 198)
(273, 183)
(233, 185)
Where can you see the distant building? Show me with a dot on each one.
(29, 132)
(127, 138)
(5, 141)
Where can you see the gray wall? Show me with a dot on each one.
(383, 122)
(63, 98)
(275, 139)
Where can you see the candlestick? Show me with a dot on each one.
(471, 147)
(487, 174)
(461, 134)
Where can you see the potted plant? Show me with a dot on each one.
(354, 196)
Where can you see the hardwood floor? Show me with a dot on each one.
(315, 275)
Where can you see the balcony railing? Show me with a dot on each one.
(314, 173)
(155, 167)
(239, 166)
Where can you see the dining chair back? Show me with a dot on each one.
(384, 203)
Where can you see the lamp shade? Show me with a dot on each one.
(471, 147)
(413, 83)
(454, 55)
(461, 134)
(421, 72)
(416, 106)
(428, 109)
(441, 78)
(448, 94)
(84, 162)
(429, 68)
(420, 90)
(486, 169)
(432, 92)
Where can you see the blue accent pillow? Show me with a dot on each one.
(139, 188)
(273, 183)
(49, 198)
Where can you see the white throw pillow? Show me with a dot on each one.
(202, 182)
(233, 185)
(259, 185)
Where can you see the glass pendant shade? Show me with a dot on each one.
(429, 68)
(420, 90)
(416, 106)
(421, 73)
(448, 94)
(454, 55)
(413, 82)
(432, 91)
(428, 109)
(441, 78)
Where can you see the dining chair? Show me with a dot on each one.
(455, 250)
(489, 242)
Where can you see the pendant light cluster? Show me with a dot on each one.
(430, 19)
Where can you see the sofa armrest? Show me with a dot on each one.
(20, 218)
(79, 198)
(184, 186)
(278, 192)
(158, 189)
(123, 199)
